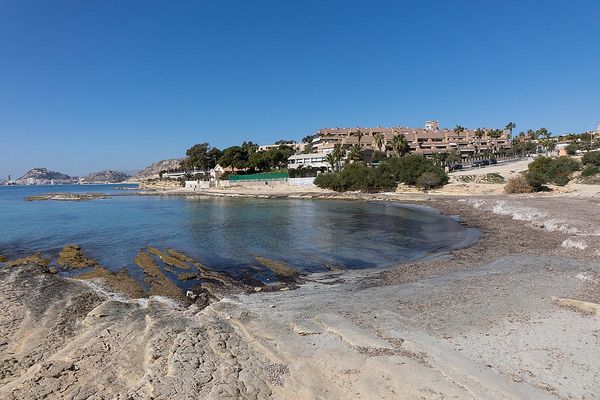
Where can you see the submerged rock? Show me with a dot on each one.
(169, 260)
(160, 284)
(67, 196)
(2, 258)
(119, 282)
(35, 259)
(279, 268)
(180, 255)
(72, 257)
(186, 276)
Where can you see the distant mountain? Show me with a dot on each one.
(152, 171)
(105, 177)
(40, 176)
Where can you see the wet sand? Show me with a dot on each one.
(508, 318)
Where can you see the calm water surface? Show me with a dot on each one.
(225, 233)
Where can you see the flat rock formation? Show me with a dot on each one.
(72, 257)
(67, 197)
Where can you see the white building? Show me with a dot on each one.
(314, 160)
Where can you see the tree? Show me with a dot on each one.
(199, 157)
(308, 140)
(458, 129)
(495, 133)
(510, 126)
(356, 153)
(479, 133)
(453, 156)
(358, 134)
(250, 148)
(572, 149)
(234, 157)
(379, 139)
(338, 155)
(400, 145)
(543, 132)
(330, 158)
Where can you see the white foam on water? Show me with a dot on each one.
(575, 244)
(588, 277)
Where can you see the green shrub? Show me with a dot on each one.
(560, 170)
(590, 170)
(493, 177)
(540, 165)
(591, 158)
(409, 168)
(536, 180)
(358, 176)
(429, 180)
(555, 170)
(572, 149)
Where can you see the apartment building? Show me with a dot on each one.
(429, 140)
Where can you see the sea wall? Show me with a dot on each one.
(301, 181)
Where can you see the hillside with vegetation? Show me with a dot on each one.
(153, 171)
(43, 175)
(105, 177)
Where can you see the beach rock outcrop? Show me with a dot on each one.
(35, 259)
(72, 257)
(279, 268)
(67, 196)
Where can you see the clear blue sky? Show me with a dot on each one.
(90, 85)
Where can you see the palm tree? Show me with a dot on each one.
(510, 126)
(356, 153)
(479, 133)
(458, 130)
(400, 145)
(330, 158)
(358, 134)
(379, 139)
(338, 155)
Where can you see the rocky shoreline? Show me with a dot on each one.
(432, 329)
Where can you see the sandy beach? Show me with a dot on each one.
(516, 316)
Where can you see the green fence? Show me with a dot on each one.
(265, 176)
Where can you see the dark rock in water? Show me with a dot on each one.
(119, 282)
(35, 259)
(72, 257)
(2, 258)
(180, 255)
(279, 268)
(186, 276)
(160, 284)
(67, 196)
(167, 259)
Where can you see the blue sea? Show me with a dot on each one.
(224, 233)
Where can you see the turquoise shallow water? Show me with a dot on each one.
(225, 233)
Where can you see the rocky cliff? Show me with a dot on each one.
(39, 176)
(105, 177)
(152, 171)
